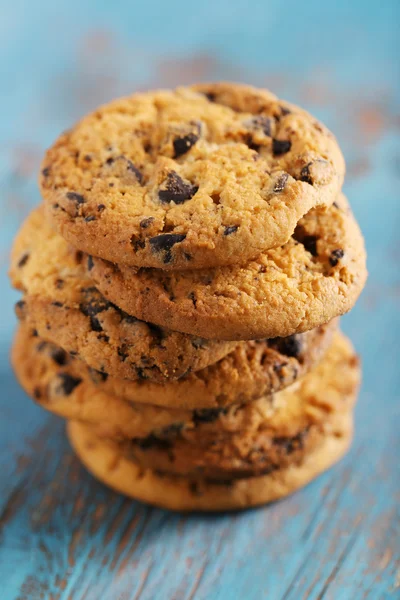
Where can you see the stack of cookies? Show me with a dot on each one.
(181, 287)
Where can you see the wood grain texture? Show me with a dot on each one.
(65, 536)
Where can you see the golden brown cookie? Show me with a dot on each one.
(63, 305)
(105, 461)
(197, 177)
(264, 435)
(252, 370)
(315, 277)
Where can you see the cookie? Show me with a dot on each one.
(252, 370)
(317, 275)
(262, 436)
(106, 462)
(204, 176)
(63, 305)
(69, 388)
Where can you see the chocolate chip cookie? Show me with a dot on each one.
(202, 176)
(262, 436)
(63, 305)
(69, 388)
(317, 275)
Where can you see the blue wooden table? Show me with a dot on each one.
(62, 534)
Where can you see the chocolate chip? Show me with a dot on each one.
(152, 441)
(230, 229)
(87, 157)
(207, 415)
(183, 144)
(90, 263)
(176, 190)
(90, 218)
(285, 111)
(309, 241)
(77, 198)
(97, 376)
(20, 309)
(145, 223)
(289, 346)
(262, 123)
(101, 207)
(67, 383)
(59, 356)
(23, 260)
(305, 174)
(291, 444)
(59, 283)
(193, 298)
(281, 182)
(37, 393)
(46, 171)
(211, 96)
(131, 167)
(280, 146)
(123, 352)
(57, 303)
(336, 205)
(335, 256)
(137, 244)
(94, 304)
(164, 243)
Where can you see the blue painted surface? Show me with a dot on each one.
(63, 535)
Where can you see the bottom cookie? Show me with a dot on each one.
(105, 461)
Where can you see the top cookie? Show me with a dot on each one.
(203, 176)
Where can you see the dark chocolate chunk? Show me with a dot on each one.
(145, 223)
(281, 146)
(176, 190)
(131, 167)
(87, 158)
(37, 393)
(164, 243)
(305, 174)
(261, 122)
(152, 441)
(90, 218)
(46, 171)
(20, 309)
(101, 207)
(207, 415)
(59, 356)
(281, 182)
(289, 346)
(230, 229)
(183, 144)
(57, 303)
(77, 198)
(335, 256)
(123, 352)
(285, 111)
(59, 283)
(291, 444)
(94, 303)
(309, 241)
(137, 244)
(23, 260)
(67, 383)
(90, 263)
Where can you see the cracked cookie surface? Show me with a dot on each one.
(202, 176)
(62, 304)
(317, 275)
